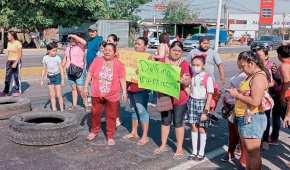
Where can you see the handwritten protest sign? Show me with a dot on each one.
(130, 59)
(159, 77)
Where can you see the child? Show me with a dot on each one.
(201, 92)
(53, 70)
(284, 57)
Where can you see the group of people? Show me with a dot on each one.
(98, 76)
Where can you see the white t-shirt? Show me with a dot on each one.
(52, 64)
(198, 90)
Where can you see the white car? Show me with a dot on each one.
(153, 42)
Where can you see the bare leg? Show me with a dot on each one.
(80, 90)
(144, 138)
(52, 97)
(74, 95)
(179, 137)
(254, 161)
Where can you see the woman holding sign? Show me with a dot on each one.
(175, 109)
(139, 100)
(107, 76)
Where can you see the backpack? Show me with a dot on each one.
(216, 94)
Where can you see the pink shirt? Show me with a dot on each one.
(115, 85)
(75, 54)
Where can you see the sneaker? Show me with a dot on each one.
(273, 142)
(17, 94)
(192, 157)
(227, 158)
(199, 158)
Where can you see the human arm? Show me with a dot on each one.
(87, 82)
(62, 74)
(220, 65)
(258, 85)
(43, 74)
(123, 83)
(80, 40)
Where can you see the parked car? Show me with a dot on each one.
(192, 43)
(153, 42)
(270, 42)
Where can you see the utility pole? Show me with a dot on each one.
(283, 23)
(218, 23)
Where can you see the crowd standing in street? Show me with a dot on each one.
(257, 90)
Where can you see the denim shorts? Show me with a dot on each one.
(255, 128)
(79, 82)
(54, 79)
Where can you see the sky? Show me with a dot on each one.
(207, 9)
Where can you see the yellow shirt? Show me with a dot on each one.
(13, 49)
(241, 107)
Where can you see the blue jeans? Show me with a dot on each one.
(139, 101)
(255, 128)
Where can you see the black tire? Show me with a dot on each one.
(32, 128)
(10, 106)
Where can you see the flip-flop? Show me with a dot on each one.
(142, 143)
(71, 108)
(111, 142)
(131, 137)
(91, 136)
(178, 156)
(159, 151)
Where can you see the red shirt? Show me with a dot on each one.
(185, 70)
(118, 74)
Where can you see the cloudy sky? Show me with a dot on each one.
(208, 8)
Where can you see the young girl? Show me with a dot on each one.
(53, 70)
(200, 92)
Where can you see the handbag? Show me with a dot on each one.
(74, 72)
(164, 103)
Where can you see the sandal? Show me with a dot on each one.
(111, 142)
(71, 108)
(159, 150)
(131, 137)
(142, 142)
(178, 156)
(200, 157)
(91, 136)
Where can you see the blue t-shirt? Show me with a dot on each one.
(93, 47)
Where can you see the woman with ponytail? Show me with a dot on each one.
(249, 113)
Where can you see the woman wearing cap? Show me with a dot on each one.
(74, 62)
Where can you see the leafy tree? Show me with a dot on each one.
(178, 12)
(38, 14)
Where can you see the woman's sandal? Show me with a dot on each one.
(178, 156)
(111, 142)
(131, 137)
(71, 108)
(159, 150)
(142, 142)
(91, 136)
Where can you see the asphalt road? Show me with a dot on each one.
(33, 58)
(79, 154)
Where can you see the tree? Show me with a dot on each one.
(178, 12)
(38, 14)
(119, 9)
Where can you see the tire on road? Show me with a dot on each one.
(9, 106)
(43, 128)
